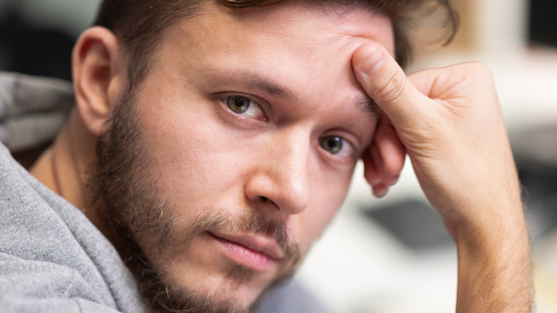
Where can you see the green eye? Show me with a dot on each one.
(332, 144)
(238, 104)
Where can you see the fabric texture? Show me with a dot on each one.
(32, 109)
(52, 258)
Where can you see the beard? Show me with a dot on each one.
(123, 188)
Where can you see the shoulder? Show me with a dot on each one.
(48, 246)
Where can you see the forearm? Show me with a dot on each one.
(494, 270)
(450, 124)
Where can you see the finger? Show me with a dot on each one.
(385, 82)
(377, 158)
(393, 152)
(380, 190)
(372, 165)
(370, 170)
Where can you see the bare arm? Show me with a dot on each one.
(450, 124)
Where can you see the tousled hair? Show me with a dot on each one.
(138, 24)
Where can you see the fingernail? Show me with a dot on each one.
(373, 62)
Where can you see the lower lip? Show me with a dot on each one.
(244, 255)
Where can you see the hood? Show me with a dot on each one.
(32, 109)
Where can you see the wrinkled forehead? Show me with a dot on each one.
(306, 45)
(315, 23)
(313, 28)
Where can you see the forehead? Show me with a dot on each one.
(293, 27)
(307, 30)
(305, 46)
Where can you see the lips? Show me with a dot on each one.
(257, 252)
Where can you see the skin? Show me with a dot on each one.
(450, 123)
(206, 157)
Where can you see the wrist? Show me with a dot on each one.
(485, 218)
(491, 233)
(494, 264)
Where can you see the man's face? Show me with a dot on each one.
(252, 122)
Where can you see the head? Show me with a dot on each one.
(227, 134)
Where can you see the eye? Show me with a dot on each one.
(238, 104)
(337, 146)
(332, 144)
(244, 106)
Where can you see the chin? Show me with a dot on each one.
(207, 279)
(216, 293)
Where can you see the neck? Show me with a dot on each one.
(64, 169)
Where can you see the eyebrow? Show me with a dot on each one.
(272, 89)
(254, 81)
(366, 105)
(363, 104)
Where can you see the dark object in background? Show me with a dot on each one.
(535, 152)
(414, 223)
(543, 23)
(417, 226)
(33, 50)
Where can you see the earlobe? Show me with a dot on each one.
(97, 75)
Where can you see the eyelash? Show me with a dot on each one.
(346, 144)
(253, 103)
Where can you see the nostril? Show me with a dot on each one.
(267, 200)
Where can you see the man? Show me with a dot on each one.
(213, 141)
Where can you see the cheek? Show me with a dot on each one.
(189, 151)
(327, 196)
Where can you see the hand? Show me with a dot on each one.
(450, 123)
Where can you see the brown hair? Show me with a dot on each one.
(139, 23)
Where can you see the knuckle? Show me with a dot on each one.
(479, 70)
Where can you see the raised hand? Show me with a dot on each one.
(450, 123)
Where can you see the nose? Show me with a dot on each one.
(280, 176)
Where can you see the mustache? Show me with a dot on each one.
(249, 222)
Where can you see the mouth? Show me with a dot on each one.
(256, 252)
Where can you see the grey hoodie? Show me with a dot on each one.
(52, 258)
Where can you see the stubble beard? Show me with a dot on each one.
(123, 186)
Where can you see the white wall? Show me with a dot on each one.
(501, 24)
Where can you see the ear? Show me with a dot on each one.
(99, 76)
(384, 160)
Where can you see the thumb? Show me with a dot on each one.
(385, 82)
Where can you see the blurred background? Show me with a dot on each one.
(389, 255)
